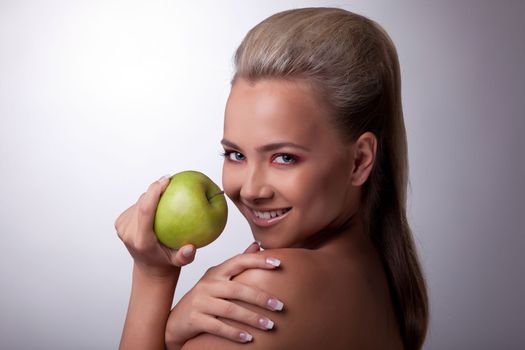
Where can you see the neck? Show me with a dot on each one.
(336, 235)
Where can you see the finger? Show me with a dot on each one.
(227, 309)
(148, 202)
(214, 326)
(234, 266)
(184, 256)
(239, 291)
(252, 248)
(122, 220)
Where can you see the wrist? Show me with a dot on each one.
(156, 273)
(149, 307)
(146, 285)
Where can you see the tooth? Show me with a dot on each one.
(270, 214)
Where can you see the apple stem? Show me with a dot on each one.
(216, 194)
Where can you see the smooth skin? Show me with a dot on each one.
(156, 270)
(281, 152)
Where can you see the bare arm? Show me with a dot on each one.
(289, 324)
(328, 304)
(156, 270)
(148, 310)
(216, 298)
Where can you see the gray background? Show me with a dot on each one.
(100, 98)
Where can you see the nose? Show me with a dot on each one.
(255, 187)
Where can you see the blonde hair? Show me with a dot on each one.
(352, 65)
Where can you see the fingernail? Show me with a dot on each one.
(266, 323)
(245, 337)
(187, 251)
(275, 304)
(165, 177)
(258, 243)
(273, 261)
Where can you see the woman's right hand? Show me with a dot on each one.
(198, 310)
(135, 228)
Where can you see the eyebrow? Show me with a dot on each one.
(267, 148)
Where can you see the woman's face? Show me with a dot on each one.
(285, 166)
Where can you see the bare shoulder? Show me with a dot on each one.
(328, 302)
(299, 274)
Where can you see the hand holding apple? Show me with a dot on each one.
(192, 210)
(135, 228)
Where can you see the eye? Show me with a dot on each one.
(285, 159)
(234, 156)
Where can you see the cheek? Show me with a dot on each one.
(230, 181)
(289, 185)
(301, 189)
(320, 192)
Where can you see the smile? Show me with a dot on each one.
(267, 218)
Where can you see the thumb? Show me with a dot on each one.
(252, 248)
(184, 255)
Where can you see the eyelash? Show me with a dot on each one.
(226, 154)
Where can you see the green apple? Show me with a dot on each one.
(192, 210)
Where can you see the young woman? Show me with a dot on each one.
(316, 160)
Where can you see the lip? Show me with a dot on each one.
(267, 222)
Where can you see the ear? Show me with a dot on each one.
(364, 154)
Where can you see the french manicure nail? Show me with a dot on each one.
(164, 178)
(187, 251)
(266, 323)
(273, 261)
(275, 304)
(246, 337)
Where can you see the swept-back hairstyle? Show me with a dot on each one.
(351, 64)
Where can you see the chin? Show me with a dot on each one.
(271, 241)
(267, 245)
(274, 237)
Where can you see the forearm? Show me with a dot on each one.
(148, 310)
